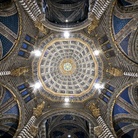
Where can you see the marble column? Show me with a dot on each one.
(30, 130)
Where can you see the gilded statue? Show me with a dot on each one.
(41, 27)
(39, 109)
(93, 24)
(98, 130)
(114, 71)
(95, 111)
(19, 71)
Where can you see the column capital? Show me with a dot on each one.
(98, 130)
(33, 130)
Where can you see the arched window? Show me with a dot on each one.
(25, 92)
(29, 39)
(107, 93)
(26, 47)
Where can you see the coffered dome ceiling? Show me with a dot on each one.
(68, 67)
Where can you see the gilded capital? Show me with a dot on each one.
(39, 109)
(114, 71)
(95, 111)
(98, 130)
(19, 71)
(33, 130)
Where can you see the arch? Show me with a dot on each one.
(19, 101)
(10, 111)
(124, 105)
(10, 30)
(87, 116)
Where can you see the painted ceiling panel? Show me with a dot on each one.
(12, 22)
(4, 134)
(6, 45)
(125, 95)
(13, 110)
(120, 125)
(118, 23)
(119, 110)
(7, 96)
(124, 2)
(13, 125)
(124, 44)
(129, 134)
